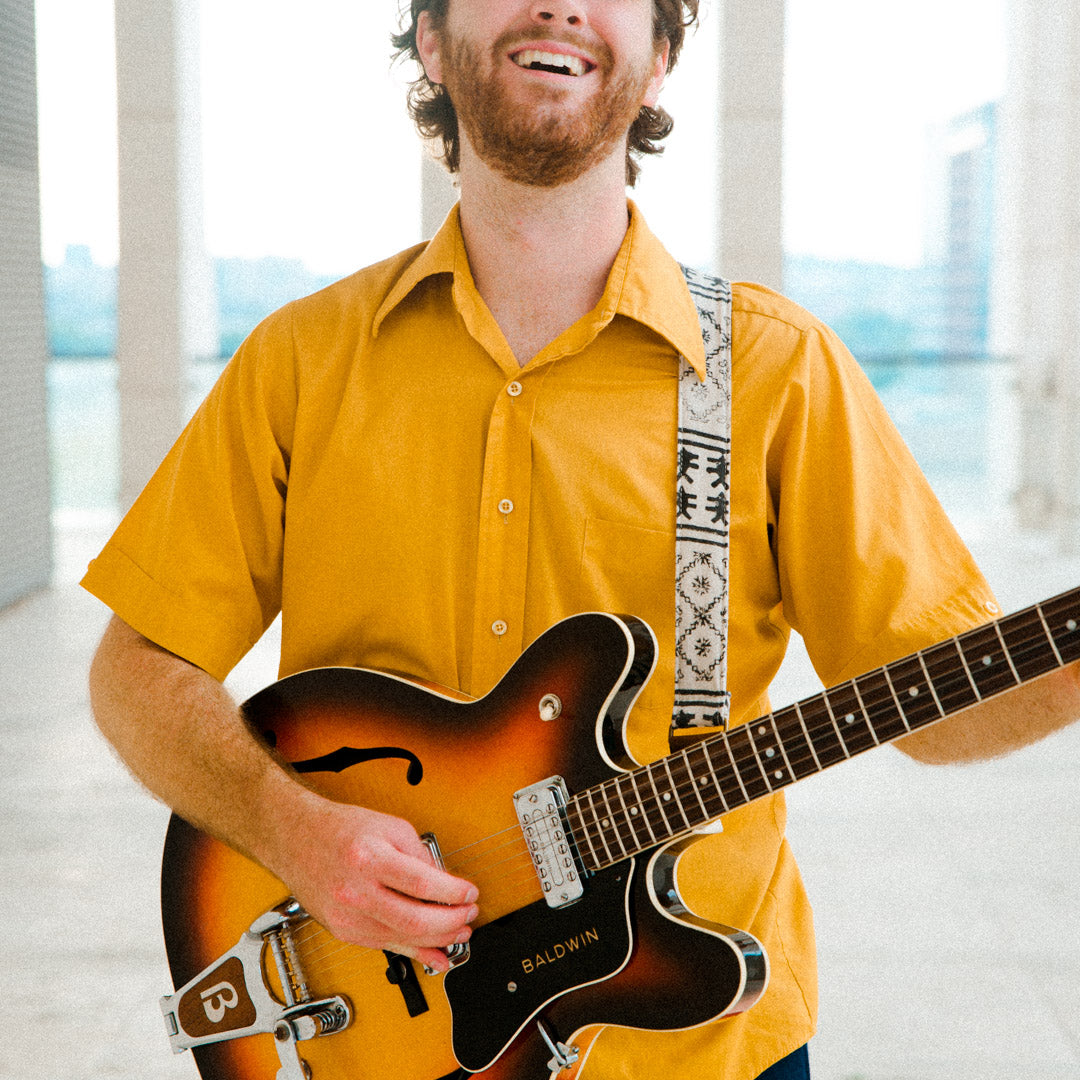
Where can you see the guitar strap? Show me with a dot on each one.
(702, 501)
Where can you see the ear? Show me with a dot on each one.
(652, 91)
(429, 46)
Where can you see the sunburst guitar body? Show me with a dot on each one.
(580, 925)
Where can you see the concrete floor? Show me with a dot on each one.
(945, 898)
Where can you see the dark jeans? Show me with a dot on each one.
(794, 1067)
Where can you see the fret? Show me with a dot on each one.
(967, 669)
(862, 708)
(1030, 648)
(727, 776)
(791, 741)
(1049, 636)
(806, 733)
(878, 706)
(911, 684)
(758, 761)
(583, 830)
(675, 791)
(758, 785)
(735, 768)
(767, 758)
(899, 707)
(950, 677)
(629, 813)
(705, 815)
(851, 724)
(930, 685)
(984, 656)
(599, 827)
(644, 813)
(1063, 615)
(703, 747)
(611, 817)
(660, 801)
(824, 734)
(602, 826)
(1008, 656)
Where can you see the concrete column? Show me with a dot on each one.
(1037, 278)
(166, 306)
(750, 145)
(25, 530)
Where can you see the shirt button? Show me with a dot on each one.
(506, 507)
(498, 628)
(514, 389)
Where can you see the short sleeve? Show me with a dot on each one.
(195, 565)
(870, 566)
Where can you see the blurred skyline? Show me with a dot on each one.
(308, 153)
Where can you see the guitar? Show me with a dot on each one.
(573, 845)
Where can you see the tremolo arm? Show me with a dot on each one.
(231, 998)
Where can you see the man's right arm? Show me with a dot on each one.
(368, 879)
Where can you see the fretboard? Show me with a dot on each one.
(657, 803)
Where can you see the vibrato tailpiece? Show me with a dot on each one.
(232, 999)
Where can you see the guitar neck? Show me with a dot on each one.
(635, 811)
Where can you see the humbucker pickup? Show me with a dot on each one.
(540, 812)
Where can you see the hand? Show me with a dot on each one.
(370, 880)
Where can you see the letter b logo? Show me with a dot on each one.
(218, 999)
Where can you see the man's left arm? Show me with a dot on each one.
(996, 727)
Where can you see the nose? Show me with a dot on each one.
(572, 12)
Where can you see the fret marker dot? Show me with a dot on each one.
(779, 774)
(1071, 624)
(770, 752)
(762, 730)
(987, 661)
(704, 781)
(605, 823)
(633, 810)
(667, 796)
(913, 692)
(850, 718)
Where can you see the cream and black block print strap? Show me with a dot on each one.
(703, 489)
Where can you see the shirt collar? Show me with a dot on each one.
(645, 284)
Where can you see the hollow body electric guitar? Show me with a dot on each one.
(531, 793)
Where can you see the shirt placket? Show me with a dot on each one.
(502, 551)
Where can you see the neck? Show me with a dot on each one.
(540, 257)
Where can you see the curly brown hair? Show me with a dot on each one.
(433, 112)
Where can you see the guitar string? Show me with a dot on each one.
(515, 890)
(955, 677)
(1021, 650)
(745, 755)
(317, 959)
(1018, 650)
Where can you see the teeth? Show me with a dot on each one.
(573, 64)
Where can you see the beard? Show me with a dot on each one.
(545, 146)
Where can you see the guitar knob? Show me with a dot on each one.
(550, 707)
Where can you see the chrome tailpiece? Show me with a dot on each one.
(232, 999)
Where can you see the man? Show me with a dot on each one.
(426, 465)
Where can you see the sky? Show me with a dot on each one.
(307, 151)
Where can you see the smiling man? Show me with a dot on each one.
(425, 466)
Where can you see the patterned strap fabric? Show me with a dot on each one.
(703, 489)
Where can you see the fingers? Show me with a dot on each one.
(378, 886)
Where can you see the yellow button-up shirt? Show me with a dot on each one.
(374, 464)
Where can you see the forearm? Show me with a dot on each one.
(182, 735)
(368, 878)
(1002, 724)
